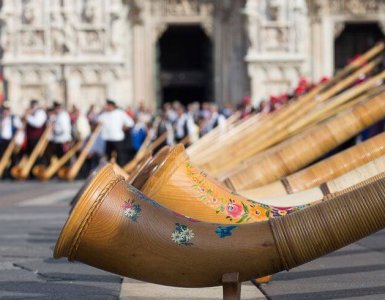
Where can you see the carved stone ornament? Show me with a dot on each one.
(355, 7)
(167, 8)
(28, 12)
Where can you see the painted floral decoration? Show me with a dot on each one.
(131, 210)
(224, 231)
(234, 208)
(182, 235)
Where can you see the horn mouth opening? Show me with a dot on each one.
(149, 167)
(160, 169)
(86, 202)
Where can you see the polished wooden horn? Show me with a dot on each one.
(116, 228)
(22, 170)
(302, 149)
(225, 161)
(172, 180)
(260, 136)
(6, 158)
(70, 173)
(144, 151)
(312, 195)
(324, 170)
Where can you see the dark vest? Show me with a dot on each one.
(34, 133)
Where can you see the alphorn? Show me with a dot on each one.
(130, 166)
(144, 152)
(302, 149)
(344, 107)
(70, 173)
(22, 170)
(284, 129)
(5, 160)
(293, 108)
(273, 130)
(322, 171)
(173, 181)
(215, 134)
(45, 173)
(112, 221)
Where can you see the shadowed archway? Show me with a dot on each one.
(356, 38)
(184, 63)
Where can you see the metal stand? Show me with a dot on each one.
(231, 286)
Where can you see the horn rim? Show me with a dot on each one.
(162, 168)
(86, 203)
(149, 167)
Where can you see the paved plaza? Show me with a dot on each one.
(32, 214)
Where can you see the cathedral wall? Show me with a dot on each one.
(71, 51)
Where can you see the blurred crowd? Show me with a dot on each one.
(122, 130)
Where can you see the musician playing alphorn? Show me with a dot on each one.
(114, 121)
(35, 119)
(9, 124)
(61, 130)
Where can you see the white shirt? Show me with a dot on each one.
(113, 123)
(83, 128)
(6, 126)
(184, 121)
(37, 119)
(215, 120)
(62, 128)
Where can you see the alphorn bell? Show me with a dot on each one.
(70, 173)
(22, 170)
(113, 227)
(45, 173)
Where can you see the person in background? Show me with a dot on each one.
(216, 119)
(138, 134)
(205, 111)
(92, 115)
(161, 126)
(62, 130)
(170, 112)
(74, 113)
(114, 122)
(81, 129)
(95, 154)
(184, 125)
(246, 108)
(35, 119)
(130, 112)
(265, 107)
(9, 125)
(228, 110)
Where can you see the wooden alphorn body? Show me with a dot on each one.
(261, 135)
(70, 173)
(323, 171)
(302, 149)
(5, 160)
(22, 170)
(112, 221)
(45, 173)
(282, 130)
(144, 152)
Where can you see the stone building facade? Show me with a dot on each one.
(81, 52)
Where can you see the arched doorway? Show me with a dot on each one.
(356, 38)
(184, 65)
